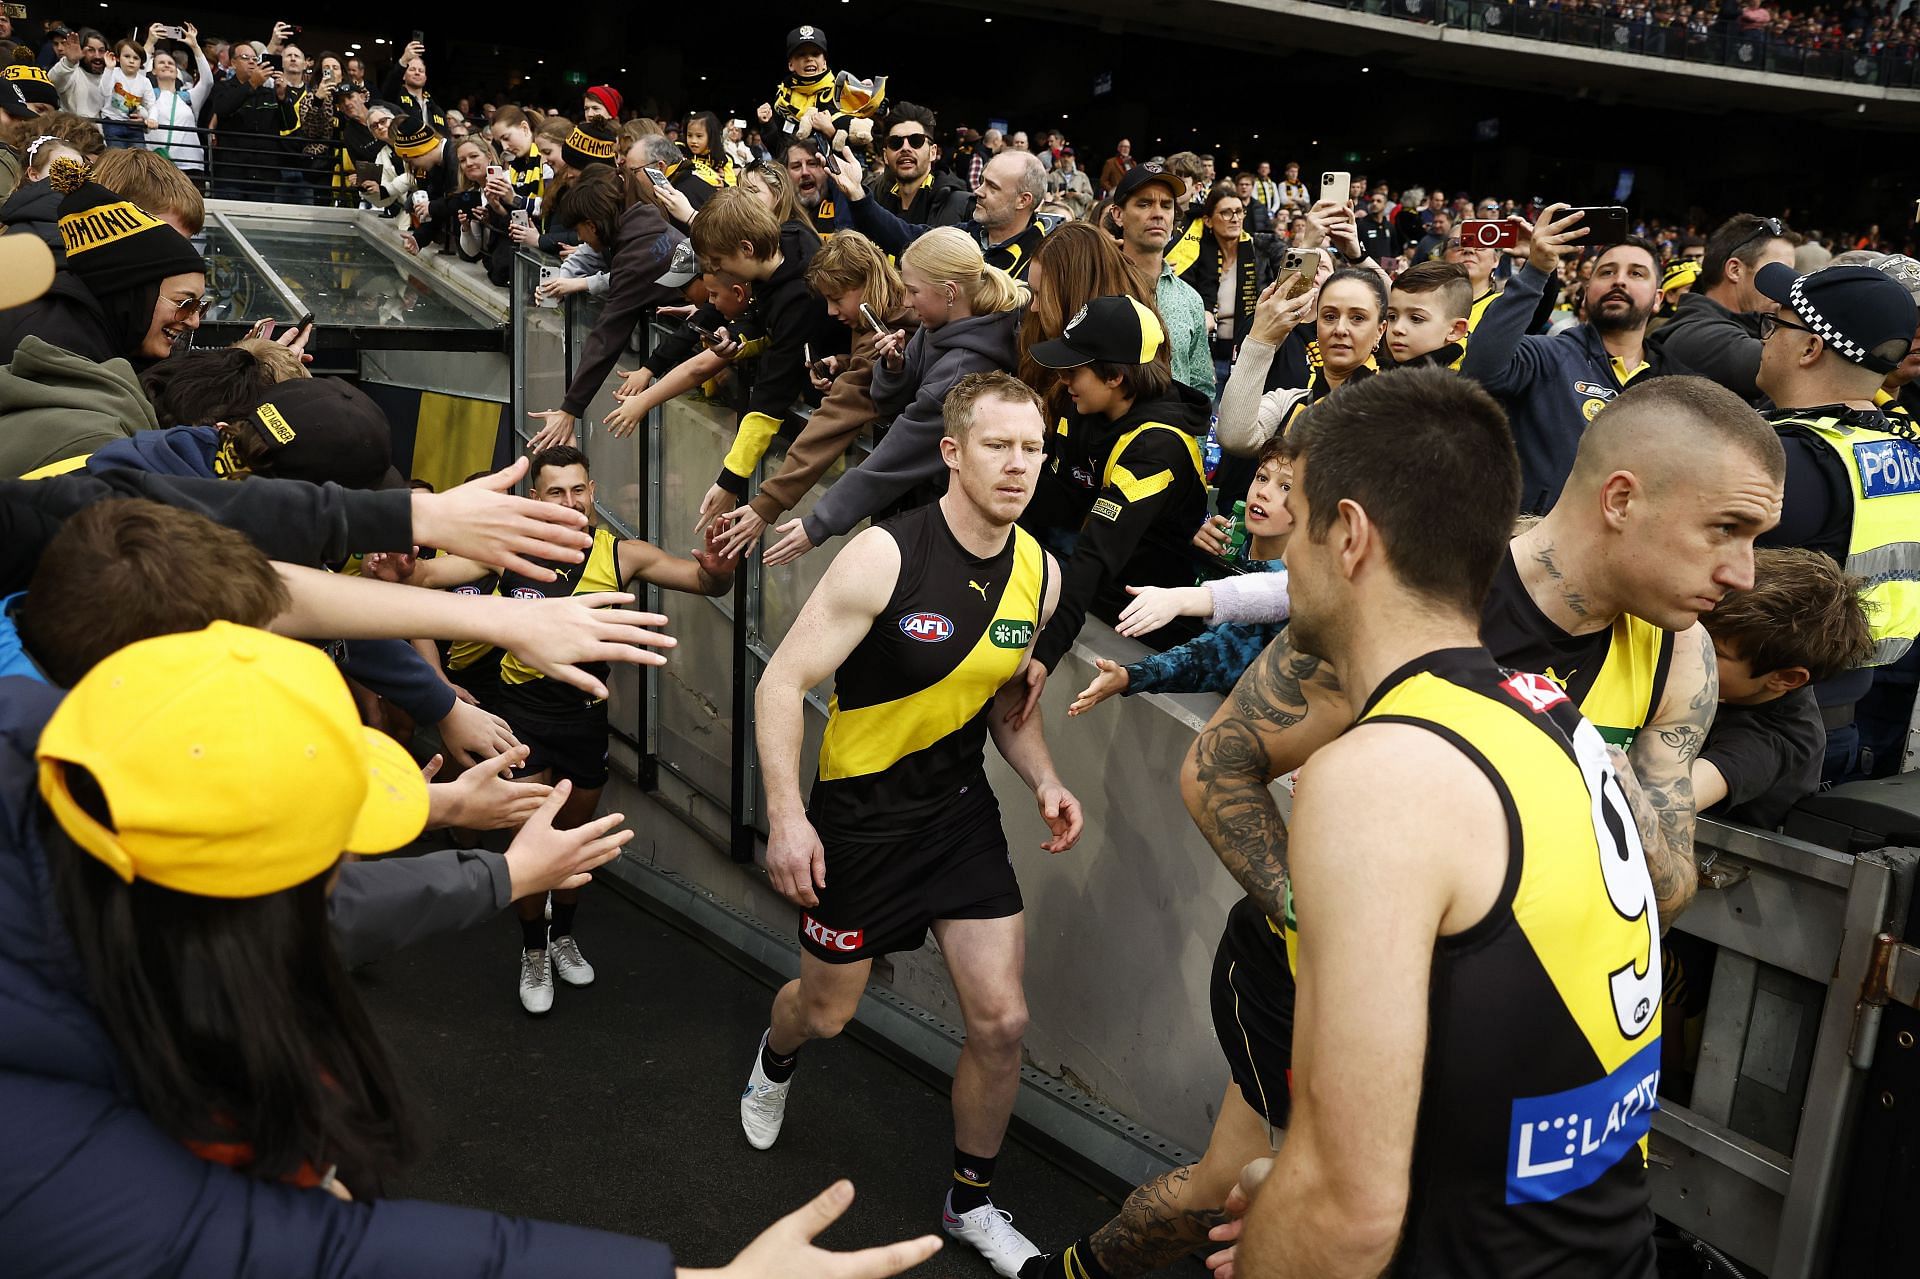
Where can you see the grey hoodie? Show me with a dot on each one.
(909, 455)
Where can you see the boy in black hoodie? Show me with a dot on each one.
(1132, 449)
(736, 239)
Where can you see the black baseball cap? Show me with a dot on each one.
(1865, 315)
(1144, 175)
(319, 430)
(1112, 330)
(804, 35)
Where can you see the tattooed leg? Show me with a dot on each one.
(1169, 1217)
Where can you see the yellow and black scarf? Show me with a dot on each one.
(795, 98)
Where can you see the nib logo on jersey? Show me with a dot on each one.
(1565, 1141)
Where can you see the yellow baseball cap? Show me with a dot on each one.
(232, 762)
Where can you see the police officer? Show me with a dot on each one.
(1853, 481)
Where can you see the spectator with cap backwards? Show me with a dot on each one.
(132, 288)
(1853, 481)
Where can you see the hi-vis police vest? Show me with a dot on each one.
(1883, 545)
(1543, 1036)
(907, 727)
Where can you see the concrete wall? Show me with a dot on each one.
(1120, 931)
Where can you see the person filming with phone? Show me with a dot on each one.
(1553, 385)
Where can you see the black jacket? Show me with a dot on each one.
(790, 321)
(641, 249)
(943, 199)
(247, 143)
(1147, 497)
(34, 207)
(67, 315)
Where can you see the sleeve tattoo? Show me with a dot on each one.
(1667, 782)
(1233, 764)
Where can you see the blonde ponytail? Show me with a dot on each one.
(948, 255)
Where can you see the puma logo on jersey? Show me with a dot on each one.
(982, 589)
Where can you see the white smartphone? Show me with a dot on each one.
(547, 273)
(1337, 185)
(496, 171)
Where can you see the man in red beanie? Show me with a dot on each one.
(602, 103)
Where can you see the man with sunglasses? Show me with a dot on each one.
(1715, 330)
(910, 189)
(1853, 482)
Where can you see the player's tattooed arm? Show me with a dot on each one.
(1662, 758)
(1285, 705)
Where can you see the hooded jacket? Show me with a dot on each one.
(789, 321)
(67, 315)
(1147, 494)
(56, 405)
(642, 248)
(1551, 386)
(1720, 345)
(35, 207)
(94, 1187)
(909, 456)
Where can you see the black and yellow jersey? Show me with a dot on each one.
(907, 726)
(1543, 1035)
(474, 657)
(1615, 674)
(600, 571)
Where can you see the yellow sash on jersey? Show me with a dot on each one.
(871, 739)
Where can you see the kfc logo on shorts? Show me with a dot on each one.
(1537, 691)
(928, 628)
(827, 939)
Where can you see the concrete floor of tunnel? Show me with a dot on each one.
(618, 1110)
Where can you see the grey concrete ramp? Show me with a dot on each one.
(619, 1109)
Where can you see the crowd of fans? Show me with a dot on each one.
(1135, 349)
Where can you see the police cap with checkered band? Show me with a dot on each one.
(1863, 314)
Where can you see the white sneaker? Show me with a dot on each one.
(763, 1106)
(536, 981)
(568, 964)
(990, 1231)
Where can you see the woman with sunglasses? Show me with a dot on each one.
(136, 293)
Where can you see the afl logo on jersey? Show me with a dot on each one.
(527, 593)
(928, 628)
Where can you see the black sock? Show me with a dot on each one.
(562, 925)
(972, 1176)
(1075, 1261)
(777, 1068)
(533, 933)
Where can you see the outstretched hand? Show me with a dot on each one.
(785, 1250)
(542, 859)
